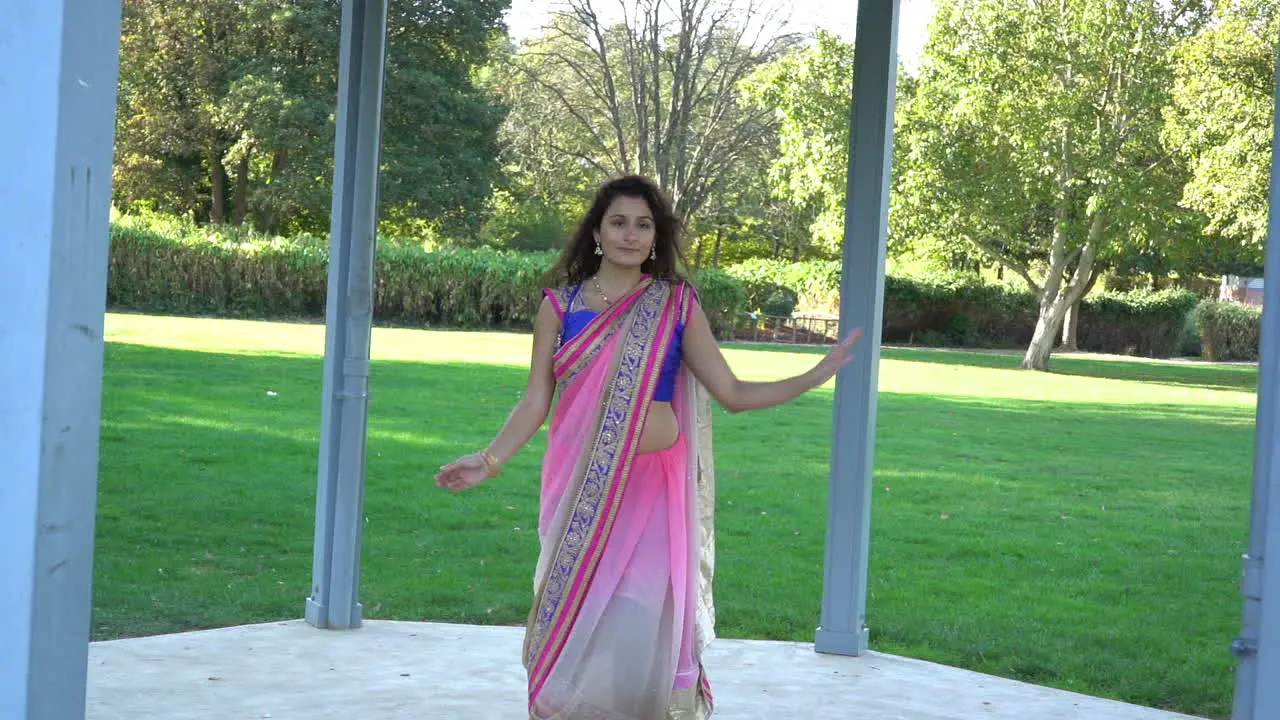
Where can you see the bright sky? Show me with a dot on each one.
(526, 16)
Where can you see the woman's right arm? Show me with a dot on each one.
(528, 415)
(531, 412)
(703, 356)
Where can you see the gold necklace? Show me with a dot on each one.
(595, 280)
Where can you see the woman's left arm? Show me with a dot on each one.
(702, 355)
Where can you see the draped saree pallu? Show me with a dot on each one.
(622, 606)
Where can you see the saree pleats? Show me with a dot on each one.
(622, 596)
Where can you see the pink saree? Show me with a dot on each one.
(622, 598)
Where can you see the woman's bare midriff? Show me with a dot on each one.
(661, 429)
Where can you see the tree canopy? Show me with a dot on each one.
(227, 110)
(1060, 143)
(1220, 123)
(1035, 136)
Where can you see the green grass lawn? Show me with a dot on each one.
(1080, 529)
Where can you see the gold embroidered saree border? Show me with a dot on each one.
(572, 357)
(688, 704)
(603, 481)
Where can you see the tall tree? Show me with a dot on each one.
(175, 73)
(1035, 136)
(745, 220)
(440, 146)
(542, 184)
(655, 94)
(808, 91)
(226, 109)
(1220, 124)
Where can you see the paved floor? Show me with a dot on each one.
(401, 670)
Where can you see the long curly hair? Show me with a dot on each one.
(578, 260)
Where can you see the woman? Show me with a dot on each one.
(622, 606)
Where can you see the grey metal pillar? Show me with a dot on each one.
(334, 601)
(1258, 647)
(844, 589)
(58, 61)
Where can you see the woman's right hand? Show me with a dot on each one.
(838, 357)
(465, 472)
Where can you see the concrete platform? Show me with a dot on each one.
(425, 671)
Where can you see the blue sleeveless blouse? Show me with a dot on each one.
(576, 320)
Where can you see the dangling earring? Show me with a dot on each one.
(599, 251)
(653, 252)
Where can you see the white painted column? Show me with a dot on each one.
(335, 585)
(845, 574)
(1257, 650)
(58, 69)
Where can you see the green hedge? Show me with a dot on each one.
(215, 274)
(723, 300)
(195, 272)
(816, 285)
(961, 310)
(168, 267)
(1138, 323)
(964, 311)
(1228, 330)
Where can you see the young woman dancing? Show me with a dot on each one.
(622, 591)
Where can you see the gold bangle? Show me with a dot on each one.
(491, 462)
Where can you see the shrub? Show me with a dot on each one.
(1189, 342)
(781, 303)
(933, 339)
(1228, 330)
(163, 265)
(723, 299)
(216, 274)
(815, 285)
(964, 331)
(960, 308)
(222, 272)
(951, 308)
(1137, 323)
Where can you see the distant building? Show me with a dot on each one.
(1241, 290)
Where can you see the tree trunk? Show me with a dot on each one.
(697, 256)
(278, 160)
(218, 179)
(715, 256)
(1041, 347)
(242, 190)
(1058, 296)
(269, 212)
(1071, 327)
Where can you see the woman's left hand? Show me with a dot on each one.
(839, 356)
(465, 472)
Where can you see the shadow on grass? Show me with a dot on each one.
(1234, 378)
(1191, 374)
(1055, 542)
(1238, 378)
(206, 507)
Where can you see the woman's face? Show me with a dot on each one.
(627, 233)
